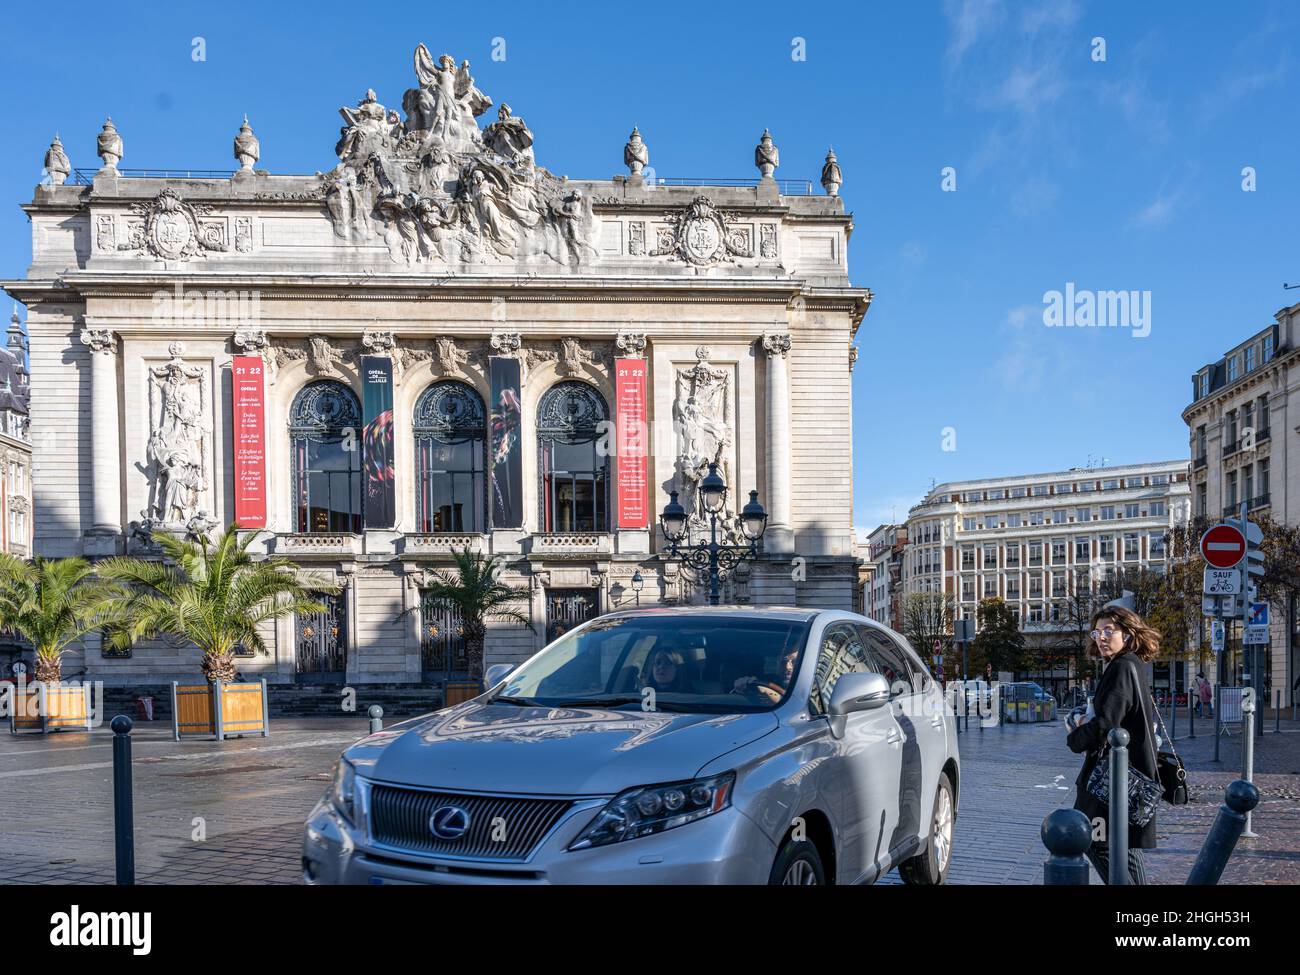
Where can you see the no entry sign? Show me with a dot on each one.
(1223, 546)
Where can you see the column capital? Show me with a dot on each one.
(99, 340)
(776, 343)
(506, 343)
(631, 344)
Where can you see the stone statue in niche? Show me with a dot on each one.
(440, 191)
(177, 452)
(702, 420)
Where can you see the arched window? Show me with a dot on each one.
(325, 451)
(450, 459)
(574, 473)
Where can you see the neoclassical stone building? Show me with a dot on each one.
(438, 344)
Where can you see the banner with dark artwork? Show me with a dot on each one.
(507, 452)
(377, 441)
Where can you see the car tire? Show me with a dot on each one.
(930, 867)
(799, 864)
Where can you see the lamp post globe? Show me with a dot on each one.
(753, 519)
(713, 490)
(638, 582)
(673, 519)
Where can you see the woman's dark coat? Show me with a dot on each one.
(1123, 701)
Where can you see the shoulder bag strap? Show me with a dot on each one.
(1164, 731)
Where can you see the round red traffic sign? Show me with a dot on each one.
(1223, 546)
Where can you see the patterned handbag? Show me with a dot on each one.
(1143, 791)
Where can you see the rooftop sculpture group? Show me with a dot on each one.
(440, 190)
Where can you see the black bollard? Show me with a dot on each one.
(376, 718)
(123, 825)
(1238, 799)
(1117, 820)
(1066, 834)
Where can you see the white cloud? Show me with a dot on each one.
(1161, 210)
(969, 21)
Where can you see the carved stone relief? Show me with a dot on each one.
(180, 424)
(703, 424)
(701, 235)
(438, 190)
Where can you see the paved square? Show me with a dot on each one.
(250, 797)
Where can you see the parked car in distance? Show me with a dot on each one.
(674, 745)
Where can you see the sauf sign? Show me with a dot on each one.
(112, 929)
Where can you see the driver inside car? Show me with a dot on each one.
(770, 689)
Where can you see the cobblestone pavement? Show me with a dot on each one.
(253, 795)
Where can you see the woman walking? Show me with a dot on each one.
(1123, 700)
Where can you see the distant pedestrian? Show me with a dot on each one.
(1206, 694)
(1123, 700)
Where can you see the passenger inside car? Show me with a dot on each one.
(772, 688)
(666, 671)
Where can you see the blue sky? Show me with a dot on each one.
(1122, 174)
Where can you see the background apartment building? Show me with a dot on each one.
(1244, 427)
(1035, 540)
(883, 593)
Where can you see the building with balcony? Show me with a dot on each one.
(438, 345)
(1036, 541)
(1244, 432)
(883, 596)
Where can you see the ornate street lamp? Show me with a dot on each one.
(638, 583)
(712, 560)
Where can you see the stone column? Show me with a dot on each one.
(779, 536)
(105, 454)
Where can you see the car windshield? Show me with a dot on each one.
(715, 664)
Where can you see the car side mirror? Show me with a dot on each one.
(855, 692)
(495, 674)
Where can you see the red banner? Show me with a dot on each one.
(630, 420)
(249, 441)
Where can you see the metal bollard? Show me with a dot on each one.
(376, 718)
(1218, 719)
(123, 816)
(1117, 835)
(1277, 712)
(1066, 834)
(1238, 800)
(1248, 748)
(1173, 717)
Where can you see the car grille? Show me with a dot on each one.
(400, 818)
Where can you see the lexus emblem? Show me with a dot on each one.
(449, 822)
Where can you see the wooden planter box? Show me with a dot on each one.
(66, 708)
(219, 710)
(458, 691)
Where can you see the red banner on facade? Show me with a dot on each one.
(248, 441)
(630, 420)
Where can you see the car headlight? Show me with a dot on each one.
(343, 790)
(655, 808)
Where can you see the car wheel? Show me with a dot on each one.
(931, 867)
(797, 864)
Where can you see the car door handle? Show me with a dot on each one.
(894, 735)
(936, 722)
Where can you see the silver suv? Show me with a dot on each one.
(681, 745)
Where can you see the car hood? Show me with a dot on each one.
(552, 751)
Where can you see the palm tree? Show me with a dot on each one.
(52, 603)
(478, 598)
(213, 594)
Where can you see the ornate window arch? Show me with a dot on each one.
(450, 426)
(325, 458)
(572, 460)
